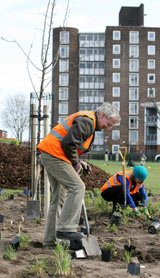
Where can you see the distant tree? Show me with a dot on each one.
(15, 114)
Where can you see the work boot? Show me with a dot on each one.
(69, 235)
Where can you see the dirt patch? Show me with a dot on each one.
(147, 245)
(15, 173)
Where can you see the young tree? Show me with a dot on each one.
(15, 114)
(46, 63)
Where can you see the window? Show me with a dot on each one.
(89, 37)
(64, 37)
(64, 51)
(151, 50)
(151, 36)
(91, 96)
(133, 137)
(116, 35)
(82, 37)
(134, 51)
(134, 65)
(133, 93)
(115, 134)
(116, 77)
(63, 65)
(134, 37)
(151, 64)
(133, 122)
(133, 108)
(116, 104)
(91, 82)
(151, 92)
(116, 91)
(133, 79)
(63, 79)
(99, 138)
(63, 93)
(115, 149)
(116, 63)
(61, 119)
(116, 49)
(151, 78)
(63, 108)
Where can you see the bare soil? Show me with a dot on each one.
(147, 245)
(14, 211)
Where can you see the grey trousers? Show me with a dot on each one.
(67, 195)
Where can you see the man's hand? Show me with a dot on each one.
(78, 168)
(86, 168)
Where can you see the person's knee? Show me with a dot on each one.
(105, 195)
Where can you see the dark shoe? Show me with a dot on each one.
(69, 235)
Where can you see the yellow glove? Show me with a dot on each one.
(146, 213)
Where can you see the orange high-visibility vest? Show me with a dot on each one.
(52, 142)
(112, 181)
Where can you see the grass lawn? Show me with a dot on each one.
(151, 183)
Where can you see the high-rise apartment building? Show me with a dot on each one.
(122, 66)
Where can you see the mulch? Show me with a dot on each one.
(15, 169)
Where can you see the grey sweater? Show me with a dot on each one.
(81, 129)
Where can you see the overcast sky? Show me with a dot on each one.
(22, 20)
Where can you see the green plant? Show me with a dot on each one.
(153, 208)
(127, 255)
(99, 203)
(38, 268)
(127, 212)
(10, 254)
(38, 221)
(108, 245)
(112, 228)
(88, 200)
(24, 240)
(62, 260)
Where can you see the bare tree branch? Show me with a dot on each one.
(20, 47)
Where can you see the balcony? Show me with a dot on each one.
(151, 120)
(151, 139)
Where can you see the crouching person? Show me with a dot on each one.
(113, 191)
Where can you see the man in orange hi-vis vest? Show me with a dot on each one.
(112, 190)
(60, 151)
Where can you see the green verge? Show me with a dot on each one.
(152, 183)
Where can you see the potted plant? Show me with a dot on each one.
(107, 251)
(133, 266)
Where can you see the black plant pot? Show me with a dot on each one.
(106, 255)
(129, 248)
(76, 245)
(15, 243)
(11, 197)
(1, 218)
(116, 219)
(134, 268)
